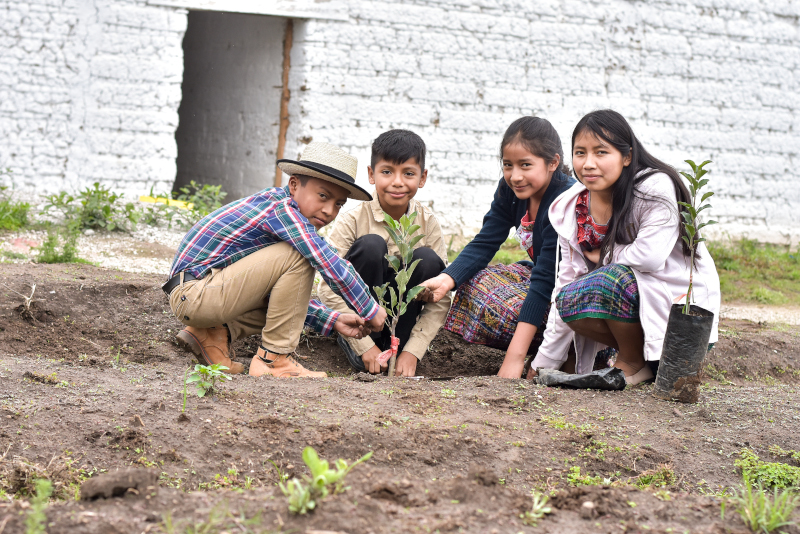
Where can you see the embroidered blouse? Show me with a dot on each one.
(590, 234)
(525, 234)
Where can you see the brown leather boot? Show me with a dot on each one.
(280, 366)
(210, 345)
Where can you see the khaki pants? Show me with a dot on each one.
(267, 291)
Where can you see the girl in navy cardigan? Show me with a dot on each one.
(506, 306)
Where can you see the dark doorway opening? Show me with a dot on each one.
(230, 109)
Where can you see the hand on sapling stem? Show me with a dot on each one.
(370, 359)
(436, 288)
(376, 323)
(406, 364)
(351, 325)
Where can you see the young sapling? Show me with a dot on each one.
(205, 376)
(690, 218)
(400, 232)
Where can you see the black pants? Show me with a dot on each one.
(367, 255)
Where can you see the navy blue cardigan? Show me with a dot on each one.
(506, 212)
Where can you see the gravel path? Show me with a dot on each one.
(151, 249)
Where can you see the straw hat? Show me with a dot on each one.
(327, 162)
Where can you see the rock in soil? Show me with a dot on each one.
(119, 483)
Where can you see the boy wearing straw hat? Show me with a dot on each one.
(249, 267)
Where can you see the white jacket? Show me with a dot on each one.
(656, 258)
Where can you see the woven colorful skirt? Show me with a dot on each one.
(486, 309)
(609, 292)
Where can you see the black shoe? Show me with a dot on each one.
(353, 359)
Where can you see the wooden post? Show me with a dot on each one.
(285, 94)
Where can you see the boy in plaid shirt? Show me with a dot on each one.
(249, 268)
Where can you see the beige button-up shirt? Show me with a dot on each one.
(365, 219)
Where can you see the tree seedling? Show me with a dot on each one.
(205, 377)
(538, 510)
(690, 218)
(304, 495)
(36, 519)
(400, 232)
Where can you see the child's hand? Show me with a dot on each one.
(436, 288)
(376, 323)
(370, 359)
(406, 364)
(351, 325)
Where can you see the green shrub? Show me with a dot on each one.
(204, 198)
(767, 474)
(13, 214)
(60, 246)
(95, 207)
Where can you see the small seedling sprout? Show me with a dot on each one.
(206, 376)
(403, 266)
(690, 218)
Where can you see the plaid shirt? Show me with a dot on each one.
(268, 217)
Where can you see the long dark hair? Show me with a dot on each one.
(538, 137)
(611, 127)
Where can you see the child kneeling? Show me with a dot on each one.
(397, 171)
(248, 268)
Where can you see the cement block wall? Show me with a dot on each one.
(90, 89)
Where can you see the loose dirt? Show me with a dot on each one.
(91, 383)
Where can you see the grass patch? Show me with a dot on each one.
(767, 474)
(761, 511)
(757, 273)
(61, 246)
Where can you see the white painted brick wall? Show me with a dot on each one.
(458, 72)
(89, 90)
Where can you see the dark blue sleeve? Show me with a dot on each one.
(543, 278)
(480, 251)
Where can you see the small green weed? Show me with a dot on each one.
(761, 511)
(783, 453)
(576, 479)
(538, 510)
(767, 474)
(36, 519)
(662, 477)
(205, 377)
(304, 495)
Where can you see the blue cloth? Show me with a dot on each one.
(505, 213)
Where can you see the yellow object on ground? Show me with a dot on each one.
(168, 201)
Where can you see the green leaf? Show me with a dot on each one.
(413, 228)
(686, 240)
(702, 182)
(692, 165)
(700, 174)
(687, 176)
(394, 261)
(394, 235)
(404, 250)
(404, 223)
(690, 230)
(402, 309)
(701, 208)
(415, 240)
(410, 270)
(685, 204)
(412, 216)
(413, 292)
(709, 194)
(394, 298)
(390, 222)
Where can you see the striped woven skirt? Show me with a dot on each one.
(609, 292)
(486, 309)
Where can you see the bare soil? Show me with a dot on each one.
(91, 382)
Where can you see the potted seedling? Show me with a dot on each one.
(689, 326)
(398, 300)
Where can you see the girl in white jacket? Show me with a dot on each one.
(623, 261)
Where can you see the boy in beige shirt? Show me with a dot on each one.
(397, 171)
